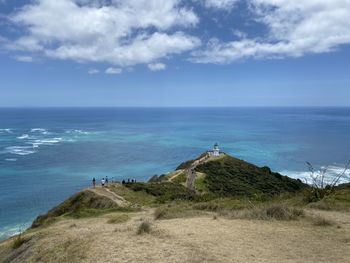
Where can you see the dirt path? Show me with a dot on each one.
(192, 174)
(103, 191)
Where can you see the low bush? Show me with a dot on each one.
(176, 211)
(144, 228)
(320, 221)
(18, 241)
(275, 211)
(118, 219)
(163, 192)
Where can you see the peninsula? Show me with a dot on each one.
(215, 208)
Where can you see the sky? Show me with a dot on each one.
(174, 53)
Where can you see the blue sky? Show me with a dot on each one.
(174, 53)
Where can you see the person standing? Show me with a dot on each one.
(103, 181)
(94, 182)
(106, 180)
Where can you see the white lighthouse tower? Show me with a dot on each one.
(216, 150)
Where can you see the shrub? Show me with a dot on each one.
(320, 221)
(18, 241)
(144, 228)
(118, 219)
(277, 212)
(311, 195)
(280, 212)
(230, 176)
(163, 192)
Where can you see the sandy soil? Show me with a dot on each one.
(119, 200)
(201, 239)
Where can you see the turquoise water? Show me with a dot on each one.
(48, 154)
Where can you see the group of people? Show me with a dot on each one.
(129, 181)
(104, 182)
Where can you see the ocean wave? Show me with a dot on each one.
(6, 131)
(11, 159)
(332, 172)
(13, 230)
(77, 132)
(39, 130)
(20, 150)
(25, 136)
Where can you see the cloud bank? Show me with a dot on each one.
(295, 28)
(118, 32)
(124, 33)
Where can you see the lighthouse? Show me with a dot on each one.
(216, 150)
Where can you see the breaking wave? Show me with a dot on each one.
(20, 150)
(332, 172)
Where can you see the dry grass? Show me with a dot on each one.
(321, 221)
(275, 211)
(18, 241)
(176, 211)
(198, 239)
(118, 219)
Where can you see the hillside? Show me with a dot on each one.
(236, 206)
(229, 176)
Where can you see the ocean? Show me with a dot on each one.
(47, 154)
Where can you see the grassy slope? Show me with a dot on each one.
(229, 176)
(82, 204)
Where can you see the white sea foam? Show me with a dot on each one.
(23, 136)
(332, 172)
(11, 159)
(20, 150)
(39, 130)
(77, 132)
(13, 230)
(6, 131)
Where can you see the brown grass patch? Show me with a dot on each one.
(18, 241)
(118, 219)
(276, 212)
(321, 221)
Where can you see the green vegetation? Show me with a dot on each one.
(81, 205)
(180, 179)
(163, 192)
(18, 241)
(157, 179)
(134, 197)
(226, 186)
(338, 199)
(179, 210)
(200, 184)
(187, 164)
(267, 212)
(229, 176)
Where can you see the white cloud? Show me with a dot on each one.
(295, 28)
(120, 32)
(24, 58)
(220, 4)
(93, 71)
(113, 71)
(124, 33)
(156, 66)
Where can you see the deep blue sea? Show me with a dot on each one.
(46, 155)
